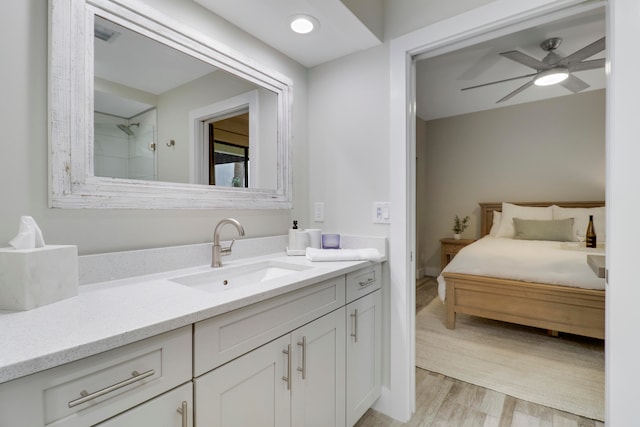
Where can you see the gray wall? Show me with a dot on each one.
(539, 151)
(24, 162)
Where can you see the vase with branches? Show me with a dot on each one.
(459, 225)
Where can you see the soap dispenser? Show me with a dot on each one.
(292, 235)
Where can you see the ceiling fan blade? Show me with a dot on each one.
(524, 59)
(499, 81)
(574, 84)
(584, 53)
(515, 92)
(588, 65)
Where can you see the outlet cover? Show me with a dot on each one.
(318, 211)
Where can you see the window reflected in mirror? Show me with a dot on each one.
(229, 143)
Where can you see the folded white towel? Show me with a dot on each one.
(365, 254)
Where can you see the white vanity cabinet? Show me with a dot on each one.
(364, 341)
(295, 380)
(307, 357)
(91, 390)
(295, 376)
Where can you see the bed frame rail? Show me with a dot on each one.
(556, 308)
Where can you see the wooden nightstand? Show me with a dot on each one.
(449, 248)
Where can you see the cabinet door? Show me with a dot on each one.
(364, 353)
(172, 409)
(318, 389)
(251, 390)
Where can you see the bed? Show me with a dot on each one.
(555, 307)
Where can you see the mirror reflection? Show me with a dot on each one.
(162, 115)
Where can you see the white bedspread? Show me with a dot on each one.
(556, 263)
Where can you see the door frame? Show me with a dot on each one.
(486, 22)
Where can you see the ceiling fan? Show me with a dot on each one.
(553, 69)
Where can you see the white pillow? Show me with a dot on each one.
(497, 217)
(510, 211)
(581, 219)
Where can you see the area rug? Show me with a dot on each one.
(565, 373)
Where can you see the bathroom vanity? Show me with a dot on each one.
(146, 350)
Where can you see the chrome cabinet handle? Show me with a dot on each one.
(367, 282)
(354, 316)
(87, 397)
(303, 344)
(287, 378)
(182, 410)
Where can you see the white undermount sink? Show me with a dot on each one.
(233, 277)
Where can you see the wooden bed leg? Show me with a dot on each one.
(451, 319)
(450, 305)
(451, 314)
(552, 333)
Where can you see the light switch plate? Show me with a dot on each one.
(381, 212)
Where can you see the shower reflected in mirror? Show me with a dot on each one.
(125, 148)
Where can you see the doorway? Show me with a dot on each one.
(481, 24)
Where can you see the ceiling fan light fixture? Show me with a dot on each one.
(303, 24)
(551, 76)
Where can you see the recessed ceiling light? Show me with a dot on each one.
(303, 24)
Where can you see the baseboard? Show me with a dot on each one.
(431, 271)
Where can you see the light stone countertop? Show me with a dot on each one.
(128, 296)
(113, 313)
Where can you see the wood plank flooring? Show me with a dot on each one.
(444, 401)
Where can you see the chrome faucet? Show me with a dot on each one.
(218, 252)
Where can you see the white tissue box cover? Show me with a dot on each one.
(30, 278)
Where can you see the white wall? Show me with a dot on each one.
(24, 162)
(348, 141)
(623, 200)
(540, 151)
(404, 16)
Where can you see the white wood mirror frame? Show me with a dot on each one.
(72, 183)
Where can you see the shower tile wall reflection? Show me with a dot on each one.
(125, 148)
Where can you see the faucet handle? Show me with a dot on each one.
(227, 250)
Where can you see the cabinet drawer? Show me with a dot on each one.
(225, 337)
(93, 389)
(363, 282)
(172, 409)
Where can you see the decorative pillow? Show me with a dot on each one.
(510, 211)
(581, 220)
(497, 217)
(558, 230)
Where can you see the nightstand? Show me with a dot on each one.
(449, 248)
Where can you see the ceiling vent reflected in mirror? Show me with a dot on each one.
(105, 34)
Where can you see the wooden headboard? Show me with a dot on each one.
(487, 209)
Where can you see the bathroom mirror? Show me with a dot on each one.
(147, 113)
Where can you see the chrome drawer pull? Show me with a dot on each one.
(287, 378)
(182, 410)
(87, 397)
(303, 344)
(369, 281)
(354, 316)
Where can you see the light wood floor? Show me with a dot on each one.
(444, 401)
